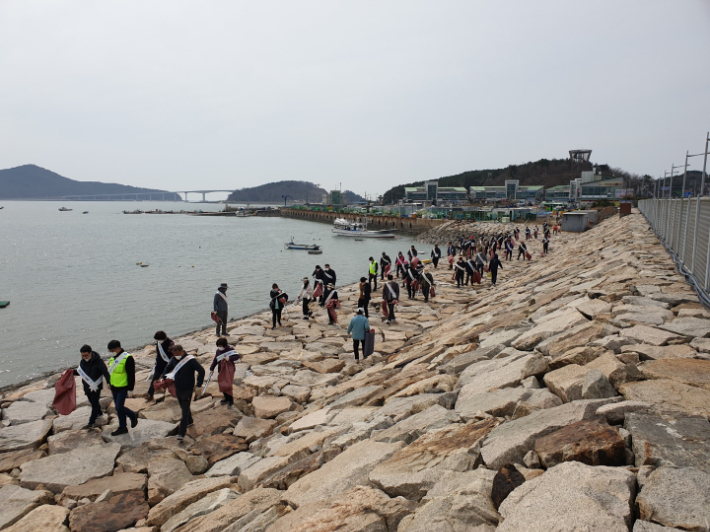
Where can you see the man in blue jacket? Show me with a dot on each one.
(359, 326)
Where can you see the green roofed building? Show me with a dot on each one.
(558, 193)
(431, 191)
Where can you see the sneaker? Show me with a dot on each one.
(180, 438)
(134, 422)
(223, 402)
(90, 426)
(119, 431)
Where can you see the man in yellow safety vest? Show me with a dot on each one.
(373, 273)
(122, 369)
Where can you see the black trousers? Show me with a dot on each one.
(390, 308)
(426, 290)
(435, 261)
(276, 316)
(373, 277)
(494, 275)
(364, 304)
(222, 323)
(184, 399)
(508, 254)
(521, 253)
(544, 248)
(459, 278)
(356, 345)
(93, 398)
(306, 310)
(228, 398)
(400, 271)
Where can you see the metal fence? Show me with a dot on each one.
(683, 225)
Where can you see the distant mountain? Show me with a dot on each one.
(299, 191)
(30, 181)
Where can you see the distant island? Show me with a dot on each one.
(32, 182)
(298, 191)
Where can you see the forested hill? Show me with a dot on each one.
(30, 181)
(546, 172)
(301, 191)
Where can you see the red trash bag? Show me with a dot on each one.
(415, 261)
(165, 384)
(528, 255)
(432, 293)
(385, 309)
(226, 376)
(215, 317)
(65, 396)
(486, 268)
(318, 291)
(387, 270)
(476, 277)
(415, 286)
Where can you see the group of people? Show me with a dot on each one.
(174, 370)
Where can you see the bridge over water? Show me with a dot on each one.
(133, 196)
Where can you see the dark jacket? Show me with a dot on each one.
(495, 264)
(384, 261)
(329, 276)
(365, 291)
(390, 291)
(160, 364)
(318, 274)
(436, 253)
(185, 378)
(232, 358)
(219, 304)
(275, 295)
(130, 373)
(94, 368)
(427, 280)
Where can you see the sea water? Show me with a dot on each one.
(73, 278)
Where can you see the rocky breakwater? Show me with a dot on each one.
(455, 229)
(575, 395)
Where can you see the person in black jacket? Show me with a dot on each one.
(390, 293)
(184, 379)
(365, 296)
(493, 266)
(276, 305)
(122, 368)
(320, 278)
(93, 372)
(435, 255)
(163, 345)
(384, 262)
(329, 275)
(220, 306)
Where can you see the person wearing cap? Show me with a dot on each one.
(305, 295)
(331, 303)
(221, 307)
(181, 370)
(427, 283)
(363, 300)
(122, 370)
(163, 346)
(372, 272)
(359, 326)
(278, 300)
(93, 372)
(390, 294)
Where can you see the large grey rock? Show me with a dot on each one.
(72, 439)
(182, 498)
(671, 440)
(502, 372)
(676, 497)
(233, 466)
(645, 526)
(551, 324)
(416, 468)
(668, 395)
(356, 397)
(145, 431)
(509, 442)
(659, 352)
(464, 360)
(24, 411)
(76, 420)
(399, 407)
(27, 436)
(347, 470)
(166, 475)
(414, 426)
(695, 327)
(312, 420)
(268, 406)
(503, 402)
(18, 502)
(207, 504)
(58, 471)
(615, 412)
(596, 386)
(47, 518)
(649, 335)
(252, 428)
(250, 477)
(457, 502)
(571, 496)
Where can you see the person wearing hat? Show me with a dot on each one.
(93, 372)
(305, 295)
(373, 271)
(363, 300)
(278, 300)
(331, 303)
(359, 326)
(122, 370)
(221, 307)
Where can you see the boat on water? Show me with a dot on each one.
(64, 209)
(308, 247)
(142, 264)
(85, 212)
(3, 304)
(133, 212)
(343, 227)
(2, 207)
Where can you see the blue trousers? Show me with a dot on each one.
(119, 400)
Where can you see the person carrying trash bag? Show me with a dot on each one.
(181, 371)
(224, 360)
(93, 372)
(359, 326)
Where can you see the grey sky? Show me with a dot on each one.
(223, 94)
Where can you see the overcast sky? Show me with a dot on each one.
(227, 94)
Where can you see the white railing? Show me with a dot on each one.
(683, 225)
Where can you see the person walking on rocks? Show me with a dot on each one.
(305, 295)
(545, 244)
(493, 266)
(400, 264)
(365, 296)
(359, 326)
(390, 296)
(278, 300)
(163, 354)
(412, 253)
(372, 272)
(329, 276)
(509, 248)
(181, 370)
(435, 256)
(451, 253)
(332, 303)
(122, 370)
(385, 266)
(427, 284)
(224, 360)
(92, 371)
(522, 250)
(319, 288)
(221, 307)
(460, 268)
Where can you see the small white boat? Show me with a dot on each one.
(343, 227)
(64, 209)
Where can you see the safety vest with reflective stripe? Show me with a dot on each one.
(119, 377)
(373, 268)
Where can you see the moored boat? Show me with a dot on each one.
(3, 304)
(343, 227)
(64, 209)
(309, 247)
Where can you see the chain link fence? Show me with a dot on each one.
(683, 225)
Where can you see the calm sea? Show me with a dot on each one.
(72, 278)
